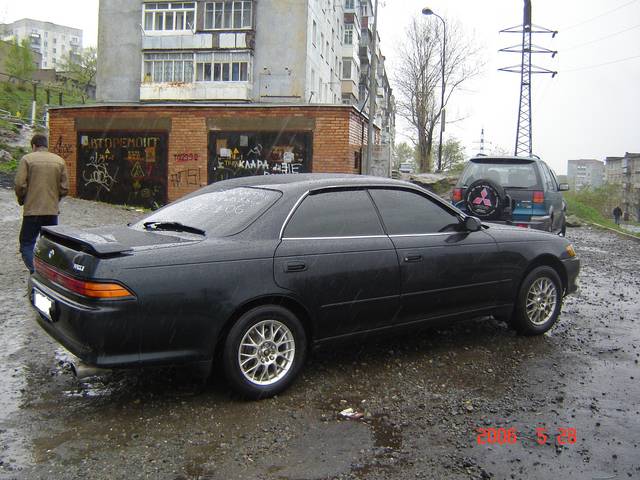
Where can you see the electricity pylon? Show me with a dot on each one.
(524, 144)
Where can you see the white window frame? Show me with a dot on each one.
(228, 15)
(169, 17)
(348, 34)
(157, 65)
(223, 67)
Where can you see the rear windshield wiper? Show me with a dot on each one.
(173, 226)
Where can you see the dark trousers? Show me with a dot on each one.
(29, 234)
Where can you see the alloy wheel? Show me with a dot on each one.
(266, 352)
(542, 298)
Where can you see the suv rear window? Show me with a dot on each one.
(515, 175)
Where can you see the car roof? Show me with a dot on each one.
(293, 183)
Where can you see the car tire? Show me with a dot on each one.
(539, 301)
(485, 199)
(264, 351)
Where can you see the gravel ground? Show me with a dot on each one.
(422, 397)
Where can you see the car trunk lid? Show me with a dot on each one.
(78, 251)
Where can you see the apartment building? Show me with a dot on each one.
(192, 93)
(624, 172)
(585, 173)
(52, 41)
(267, 51)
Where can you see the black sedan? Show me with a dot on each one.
(254, 271)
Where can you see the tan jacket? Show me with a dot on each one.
(41, 181)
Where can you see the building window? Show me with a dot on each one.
(346, 69)
(349, 4)
(228, 15)
(348, 34)
(168, 67)
(222, 67)
(162, 17)
(322, 44)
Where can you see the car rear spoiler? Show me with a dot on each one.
(96, 244)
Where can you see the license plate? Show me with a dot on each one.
(42, 303)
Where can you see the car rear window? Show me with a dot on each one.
(515, 175)
(218, 213)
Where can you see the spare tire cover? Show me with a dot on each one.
(485, 199)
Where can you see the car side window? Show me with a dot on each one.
(406, 213)
(548, 178)
(554, 179)
(345, 213)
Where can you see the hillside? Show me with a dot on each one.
(15, 116)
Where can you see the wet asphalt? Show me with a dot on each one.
(422, 398)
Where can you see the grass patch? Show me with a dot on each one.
(17, 99)
(576, 205)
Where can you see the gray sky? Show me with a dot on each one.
(591, 109)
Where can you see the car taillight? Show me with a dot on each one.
(538, 197)
(522, 225)
(456, 196)
(81, 287)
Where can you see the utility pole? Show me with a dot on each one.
(372, 91)
(524, 143)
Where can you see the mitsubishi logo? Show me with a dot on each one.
(482, 199)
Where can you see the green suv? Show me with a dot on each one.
(521, 191)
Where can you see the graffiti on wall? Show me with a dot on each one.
(97, 173)
(188, 177)
(62, 149)
(123, 167)
(185, 157)
(233, 154)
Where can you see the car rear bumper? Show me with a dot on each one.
(106, 334)
(572, 267)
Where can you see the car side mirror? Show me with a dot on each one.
(563, 187)
(472, 224)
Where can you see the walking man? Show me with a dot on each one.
(41, 181)
(617, 213)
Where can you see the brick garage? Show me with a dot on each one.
(173, 144)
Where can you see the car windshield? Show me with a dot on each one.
(513, 175)
(217, 213)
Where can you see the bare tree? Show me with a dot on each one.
(419, 75)
(81, 69)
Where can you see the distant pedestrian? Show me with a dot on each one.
(41, 181)
(617, 213)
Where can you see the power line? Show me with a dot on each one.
(598, 16)
(600, 64)
(601, 38)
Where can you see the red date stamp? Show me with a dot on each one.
(509, 436)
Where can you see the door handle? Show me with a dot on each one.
(295, 267)
(413, 258)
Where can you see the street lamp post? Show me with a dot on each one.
(428, 11)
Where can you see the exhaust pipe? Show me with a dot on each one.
(82, 371)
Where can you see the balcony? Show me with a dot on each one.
(214, 91)
(177, 42)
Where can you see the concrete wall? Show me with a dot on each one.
(119, 51)
(279, 68)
